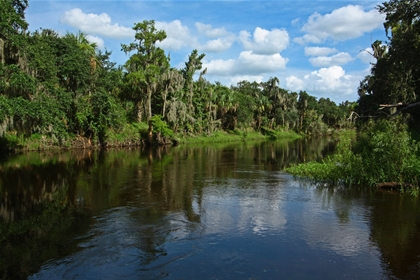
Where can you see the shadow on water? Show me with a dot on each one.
(64, 214)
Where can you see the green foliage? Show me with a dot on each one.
(12, 21)
(246, 105)
(395, 77)
(128, 134)
(16, 82)
(276, 134)
(54, 87)
(160, 126)
(389, 154)
(145, 66)
(384, 153)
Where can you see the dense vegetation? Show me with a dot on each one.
(62, 91)
(384, 152)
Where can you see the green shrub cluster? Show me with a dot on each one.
(384, 153)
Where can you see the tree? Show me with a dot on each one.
(306, 106)
(170, 82)
(12, 18)
(193, 65)
(87, 47)
(146, 65)
(395, 77)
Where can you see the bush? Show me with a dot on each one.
(160, 126)
(384, 153)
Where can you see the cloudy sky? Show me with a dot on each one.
(318, 46)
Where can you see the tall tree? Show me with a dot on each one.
(395, 77)
(191, 67)
(145, 66)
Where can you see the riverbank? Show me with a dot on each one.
(135, 134)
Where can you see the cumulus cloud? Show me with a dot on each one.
(97, 40)
(220, 38)
(257, 63)
(330, 82)
(247, 63)
(319, 51)
(264, 41)
(95, 24)
(220, 67)
(342, 24)
(177, 35)
(293, 82)
(337, 59)
(217, 45)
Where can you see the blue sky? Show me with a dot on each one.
(318, 46)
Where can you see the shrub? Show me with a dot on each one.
(384, 153)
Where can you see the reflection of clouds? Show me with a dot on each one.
(244, 205)
(321, 227)
(342, 239)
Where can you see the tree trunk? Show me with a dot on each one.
(149, 104)
(139, 111)
(164, 96)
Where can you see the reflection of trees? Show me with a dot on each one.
(37, 207)
(278, 155)
(394, 221)
(395, 228)
(48, 199)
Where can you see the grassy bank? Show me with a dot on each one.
(384, 156)
(238, 135)
(134, 134)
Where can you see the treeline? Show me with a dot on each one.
(62, 87)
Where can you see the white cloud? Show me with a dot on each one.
(258, 63)
(337, 59)
(95, 24)
(220, 67)
(177, 35)
(221, 39)
(247, 63)
(294, 83)
(217, 45)
(264, 41)
(97, 40)
(345, 23)
(330, 82)
(319, 51)
(210, 32)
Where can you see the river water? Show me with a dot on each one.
(211, 212)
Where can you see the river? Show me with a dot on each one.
(210, 212)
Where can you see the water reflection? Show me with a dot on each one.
(193, 212)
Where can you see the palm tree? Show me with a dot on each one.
(88, 47)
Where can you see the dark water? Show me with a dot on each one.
(214, 212)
